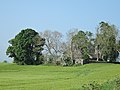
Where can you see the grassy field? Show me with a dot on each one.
(15, 77)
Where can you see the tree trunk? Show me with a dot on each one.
(98, 53)
(72, 53)
(49, 50)
(97, 56)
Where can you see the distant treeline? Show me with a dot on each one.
(32, 48)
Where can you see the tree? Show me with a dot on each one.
(26, 47)
(82, 45)
(91, 43)
(106, 42)
(70, 49)
(79, 44)
(53, 44)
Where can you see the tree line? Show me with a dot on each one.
(32, 48)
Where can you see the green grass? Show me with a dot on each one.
(15, 77)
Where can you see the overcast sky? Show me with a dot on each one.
(60, 15)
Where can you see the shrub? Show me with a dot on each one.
(67, 61)
(92, 86)
(110, 85)
(117, 83)
(5, 61)
(58, 63)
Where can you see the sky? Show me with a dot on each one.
(59, 15)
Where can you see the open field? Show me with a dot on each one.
(15, 77)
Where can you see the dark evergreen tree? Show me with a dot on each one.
(26, 47)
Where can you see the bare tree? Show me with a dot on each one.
(54, 44)
(70, 35)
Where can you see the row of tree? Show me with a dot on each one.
(33, 48)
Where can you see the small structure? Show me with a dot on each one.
(79, 61)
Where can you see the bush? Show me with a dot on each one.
(117, 83)
(58, 63)
(92, 86)
(110, 85)
(85, 57)
(5, 61)
(67, 61)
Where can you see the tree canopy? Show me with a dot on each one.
(26, 47)
(106, 39)
(82, 45)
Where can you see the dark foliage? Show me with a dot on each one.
(26, 48)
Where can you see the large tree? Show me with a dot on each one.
(82, 45)
(106, 41)
(26, 47)
(54, 45)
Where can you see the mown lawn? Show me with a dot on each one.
(15, 77)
